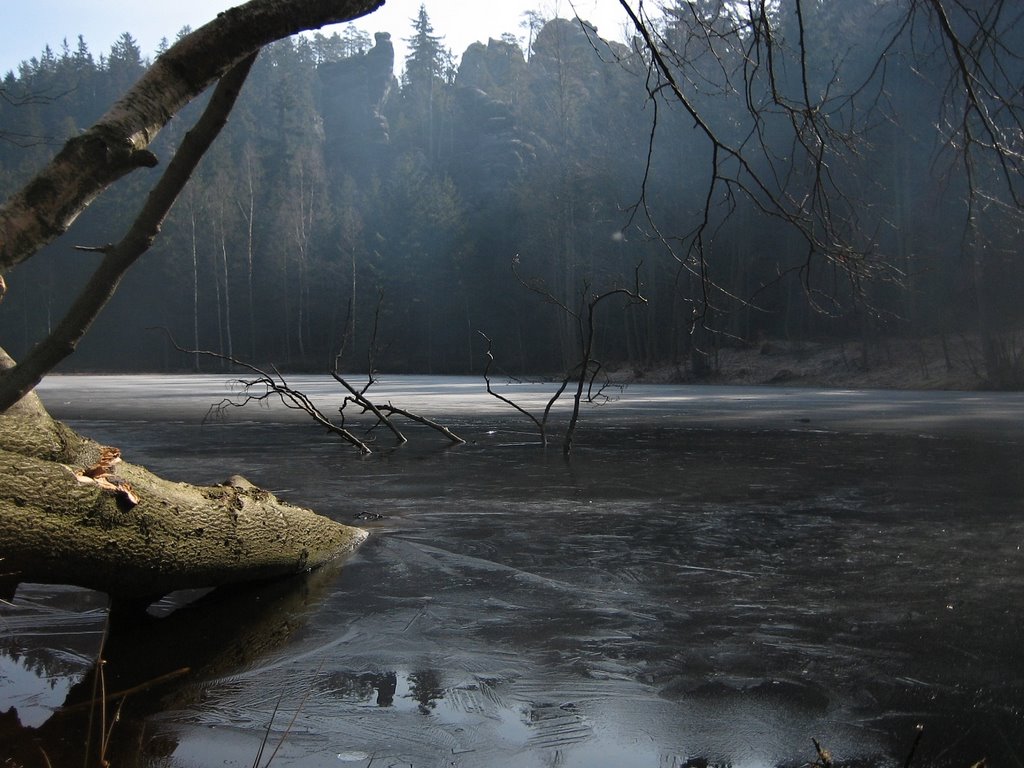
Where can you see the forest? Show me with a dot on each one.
(409, 216)
(715, 577)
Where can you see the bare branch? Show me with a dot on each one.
(273, 385)
(359, 398)
(490, 390)
(266, 385)
(587, 366)
(15, 382)
(395, 410)
(982, 94)
(585, 370)
(117, 144)
(801, 185)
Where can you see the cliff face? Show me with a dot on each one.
(495, 94)
(498, 68)
(511, 114)
(355, 91)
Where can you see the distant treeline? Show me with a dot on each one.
(349, 211)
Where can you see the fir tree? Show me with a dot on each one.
(427, 55)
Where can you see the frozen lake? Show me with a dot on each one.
(717, 575)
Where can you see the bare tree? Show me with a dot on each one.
(223, 51)
(586, 371)
(48, 513)
(808, 113)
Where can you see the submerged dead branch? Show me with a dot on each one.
(358, 397)
(384, 412)
(396, 411)
(585, 370)
(268, 385)
(540, 423)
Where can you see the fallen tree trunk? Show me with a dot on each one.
(58, 526)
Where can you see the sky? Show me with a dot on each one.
(27, 26)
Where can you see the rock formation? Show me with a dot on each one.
(355, 90)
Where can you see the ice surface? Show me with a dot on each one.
(715, 575)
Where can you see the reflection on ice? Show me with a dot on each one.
(31, 688)
(48, 640)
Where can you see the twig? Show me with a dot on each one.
(586, 369)
(291, 723)
(274, 384)
(913, 747)
(98, 689)
(266, 733)
(490, 390)
(359, 398)
(124, 693)
(824, 756)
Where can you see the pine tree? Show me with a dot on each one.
(427, 55)
(425, 85)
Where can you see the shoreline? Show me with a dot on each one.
(900, 364)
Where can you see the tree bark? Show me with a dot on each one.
(115, 145)
(118, 143)
(134, 535)
(57, 528)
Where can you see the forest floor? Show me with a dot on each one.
(889, 364)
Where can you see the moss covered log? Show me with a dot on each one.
(59, 526)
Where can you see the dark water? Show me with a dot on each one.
(716, 575)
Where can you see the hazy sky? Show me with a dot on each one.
(26, 26)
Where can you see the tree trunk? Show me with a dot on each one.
(57, 528)
(118, 143)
